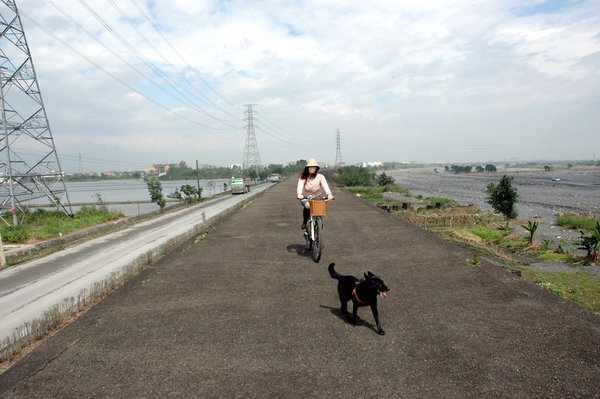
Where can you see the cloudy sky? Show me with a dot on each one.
(129, 83)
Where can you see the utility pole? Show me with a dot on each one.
(198, 179)
(338, 152)
(29, 165)
(251, 156)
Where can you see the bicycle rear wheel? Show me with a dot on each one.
(318, 241)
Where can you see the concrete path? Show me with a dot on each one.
(244, 312)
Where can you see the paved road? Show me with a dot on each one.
(245, 313)
(30, 288)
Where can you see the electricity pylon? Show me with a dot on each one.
(251, 156)
(338, 152)
(29, 166)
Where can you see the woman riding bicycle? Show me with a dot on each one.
(310, 184)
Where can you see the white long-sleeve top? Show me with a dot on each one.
(312, 187)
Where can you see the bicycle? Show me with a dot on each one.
(314, 226)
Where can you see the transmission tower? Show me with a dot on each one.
(338, 152)
(29, 166)
(251, 157)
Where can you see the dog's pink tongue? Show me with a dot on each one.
(382, 295)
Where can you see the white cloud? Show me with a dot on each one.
(410, 80)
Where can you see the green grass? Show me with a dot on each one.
(583, 288)
(374, 193)
(576, 222)
(434, 200)
(487, 234)
(563, 258)
(43, 224)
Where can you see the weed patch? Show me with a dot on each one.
(583, 288)
(576, 222)
(487, 234)
(42, 225)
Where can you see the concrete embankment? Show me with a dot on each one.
(245, 312)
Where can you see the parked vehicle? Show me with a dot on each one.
(275, 177)
(240, 185)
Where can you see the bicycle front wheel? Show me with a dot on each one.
(307, 236)
(318, 241)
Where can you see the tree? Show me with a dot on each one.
(384, 179)
(191, 193)
(461, 169)
(156, 195)
(490, 168)
(479, 168)
(503, 197)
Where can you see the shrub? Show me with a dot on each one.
(531, 228)
(506, 230)
(352, 176)
(385, 180)
(591, 242)
(15, 234)
(503, 197)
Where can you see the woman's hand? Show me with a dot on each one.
(300, 196)
(330, 196)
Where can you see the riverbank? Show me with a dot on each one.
(542, 195)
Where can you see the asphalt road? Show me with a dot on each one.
(245, 312)
(30, 288)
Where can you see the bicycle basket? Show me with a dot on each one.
(317, 208)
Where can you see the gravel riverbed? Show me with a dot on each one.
(542, 195)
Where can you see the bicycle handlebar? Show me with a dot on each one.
(316, 198)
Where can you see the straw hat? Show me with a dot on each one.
(312, 162)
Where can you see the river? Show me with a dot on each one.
(111, 191)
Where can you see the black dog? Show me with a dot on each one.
(361, 292)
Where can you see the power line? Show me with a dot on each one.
(182, 59)
(117, 78)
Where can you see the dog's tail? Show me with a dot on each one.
(332, 272)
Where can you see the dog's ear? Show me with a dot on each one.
(371, 274)
(367, 277)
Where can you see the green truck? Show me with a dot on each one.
(240, 185)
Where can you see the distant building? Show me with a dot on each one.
(235, 165)
(367, 164)
(159, 169)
